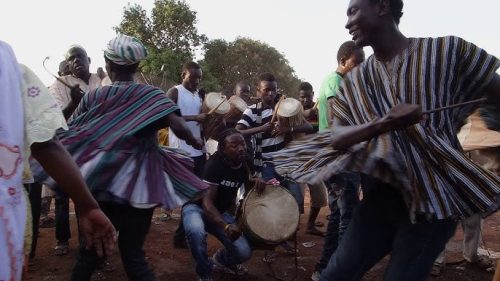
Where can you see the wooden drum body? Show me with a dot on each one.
(269, 219)
(216, 105)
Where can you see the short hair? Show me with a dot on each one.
(305, 86)
(190, 65)
(223, 135)
(74, 46)
(396, 9)
(266, 77)
(346, 49)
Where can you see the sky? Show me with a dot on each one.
(308, 33)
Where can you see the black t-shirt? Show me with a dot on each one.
(218, 172)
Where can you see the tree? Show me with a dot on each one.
(170, 36)
(243, 60)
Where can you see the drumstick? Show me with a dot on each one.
(315, 106)
(215, 108)
(454, 105)
(58, 78)
(277, 107)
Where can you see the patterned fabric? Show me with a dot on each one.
(41, 112)
(111, 139)
(125, 50)
(269, 143)
(424, 161)
(12, 200)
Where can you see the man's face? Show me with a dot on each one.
(363, 21)
(306, 98)
(235, 148)
(243, 91)
(357, 57)
(191, 79)
(267, 91)
(78, 62)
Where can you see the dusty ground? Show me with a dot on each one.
(174, 264)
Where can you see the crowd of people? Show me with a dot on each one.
(391, 146)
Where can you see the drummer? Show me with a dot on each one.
(242, 90)
(186, 96)
(226, 171)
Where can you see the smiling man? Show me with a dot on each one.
(417, 179)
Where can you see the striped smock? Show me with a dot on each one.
(112, 139)
(424, 161)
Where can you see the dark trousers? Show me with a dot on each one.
(63, 231)
(35, 196)
(133, 225)
(342, 199)
(381, 225)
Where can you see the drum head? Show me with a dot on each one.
(272, 217)
(289, 107)
(238, 102)
(212, 100)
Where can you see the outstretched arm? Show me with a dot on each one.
(178, 125)
(399, 117)
(93, 224)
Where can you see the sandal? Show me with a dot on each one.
(61, 249)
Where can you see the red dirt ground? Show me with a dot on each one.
(174, 264)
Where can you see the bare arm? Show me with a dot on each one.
(329, 108)
(173, 94)
(255, 130)
(178, 125)
(214, 215)
(94, 225)
(399, 117)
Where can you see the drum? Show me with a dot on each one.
(269, 219)
(290, 114)
(238, 106)
(216, 105)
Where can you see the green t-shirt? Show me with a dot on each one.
(328, 89)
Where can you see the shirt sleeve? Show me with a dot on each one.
(332, 87)
(58, 91)
(476, 70)
(247, 119)
(211, 172)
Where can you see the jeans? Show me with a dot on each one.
(342, 199)
(133, 225)
(380, 226)
(197, 225)
(268, 173)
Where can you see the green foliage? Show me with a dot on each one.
(244, 60)
(170, 36)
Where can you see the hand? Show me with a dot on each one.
(97, 231)
(233, 232)
(200, 118)
(76, 94)
(402, 116)
(266, 127)
(195, 143)
(280, 130)
(259, 185)
(273, 181)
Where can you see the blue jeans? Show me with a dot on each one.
(380, 226)
(197, 225)
(342, 199)
(268, 173)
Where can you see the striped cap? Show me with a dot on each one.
(125, 50)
